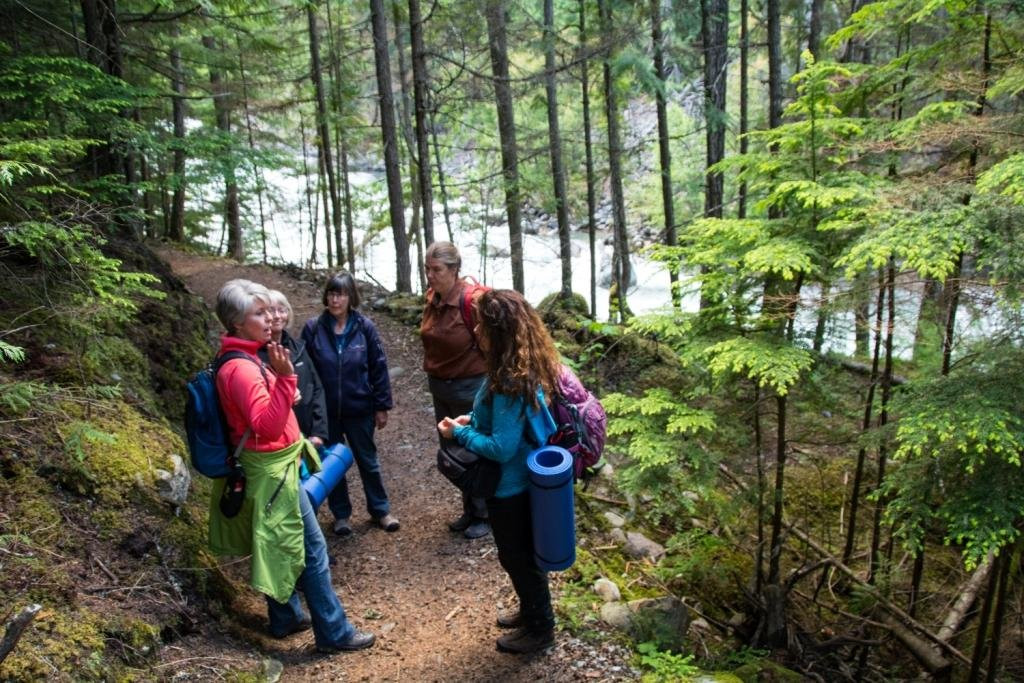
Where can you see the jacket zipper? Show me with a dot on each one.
(280, 484)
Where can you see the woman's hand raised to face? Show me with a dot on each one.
(280, 359)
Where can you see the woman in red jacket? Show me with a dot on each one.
(276, 525)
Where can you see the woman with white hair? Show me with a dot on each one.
(276, 525)
(311, 409)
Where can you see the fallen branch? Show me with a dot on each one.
(880, 600)
(610, 501)
(963, 603)
(926, 653)
(15, 628)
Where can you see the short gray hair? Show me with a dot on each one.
(277, 298)
(235, 299)
(445, 252)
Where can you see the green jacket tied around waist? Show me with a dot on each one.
(269, 525)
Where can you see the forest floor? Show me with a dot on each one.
(431, 596)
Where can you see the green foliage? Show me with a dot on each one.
(664, 666)
(11, 354)
(766, 361)
(958, 448)
(100, 288)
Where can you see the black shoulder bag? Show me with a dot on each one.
(474, 474)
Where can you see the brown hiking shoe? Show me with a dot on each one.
(523, 641)
(510, 619)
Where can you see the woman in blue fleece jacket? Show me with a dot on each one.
(522, 366)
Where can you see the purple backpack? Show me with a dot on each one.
(580, 422)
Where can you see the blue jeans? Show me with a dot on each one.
(330, 625)
(358, 434)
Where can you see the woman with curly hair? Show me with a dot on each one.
(522, 367)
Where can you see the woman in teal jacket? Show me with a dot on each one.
(522, 366)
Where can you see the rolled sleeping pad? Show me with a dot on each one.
(551, 507)
(335, 461)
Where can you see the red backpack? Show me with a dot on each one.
(580, 422)
(471, 289)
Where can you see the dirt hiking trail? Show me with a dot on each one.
(430, 595)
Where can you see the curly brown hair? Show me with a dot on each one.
(519, 350)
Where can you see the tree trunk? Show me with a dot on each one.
(177, 231)
(814, 32)
(406, 115)
(340, 151)
(256, 172)
(405, 112)
(420, 94)
(741, 209)
(759, 454)
(440, 177)
(981, 637)
(588, 149)
(618, 306)
(495, 10)
(858, 476)
(323, 132)
(555, 150)
(883, 417)
(389, 133)
(714, 35)
(321, 185)
(774, 65)
(222, 113)
(309, 192)
(664, 153)
(773, 629)
(1011, 556)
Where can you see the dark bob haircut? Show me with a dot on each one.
(342, 282)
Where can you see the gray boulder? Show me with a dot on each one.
(173, 486)
(639, 546)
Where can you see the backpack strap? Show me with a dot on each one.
(219, 362)
(466, 306)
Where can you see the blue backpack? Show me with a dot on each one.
(205, 426)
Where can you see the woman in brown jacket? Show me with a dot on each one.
(453, 362)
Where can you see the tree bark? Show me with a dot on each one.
(714, 34)
(256, 172)
(814, 31)
(741, 209)
(965, 598)
(222, 114)
(177, 226)
(555, 150)
(774, 65)
(774, 624)
(440, 178)
(883, 417)
(618, 307)
(420, 94)
(664, 153)
(495, 11)
(858, 475)
(588, 149)
(405, 113)
(389, 133)
(323, 131)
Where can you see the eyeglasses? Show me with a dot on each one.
(337, 295)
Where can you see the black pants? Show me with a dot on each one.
(454, 397)
(513, 534)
